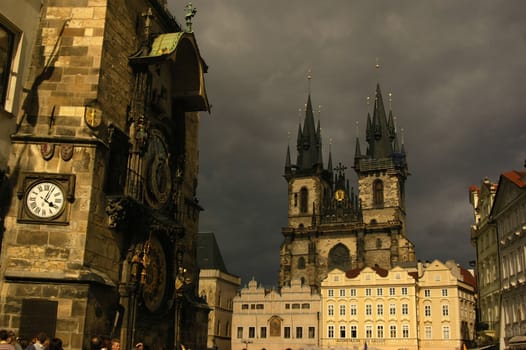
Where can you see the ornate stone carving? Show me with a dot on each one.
(117, 209)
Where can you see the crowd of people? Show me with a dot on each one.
(9, 341)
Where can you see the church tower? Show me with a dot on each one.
(329, 225)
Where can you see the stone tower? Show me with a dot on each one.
(100, 234)
(329, 225)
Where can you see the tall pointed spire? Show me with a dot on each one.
(329, 163)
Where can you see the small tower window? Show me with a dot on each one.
(295, 200)
(378, 193)
(301, 263)
(304, 200)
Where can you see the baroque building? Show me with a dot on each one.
(329, 225)
(102, 216)
(218, 288)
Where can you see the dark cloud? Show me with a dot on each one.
(455, 69)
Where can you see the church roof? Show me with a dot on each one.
(208, 252)
(517, 177)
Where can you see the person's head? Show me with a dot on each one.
(115, 344)
(96, 343)
(41, 337)
(4, 335)
(12, 337)
(55, 344)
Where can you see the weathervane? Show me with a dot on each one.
(190, 12)
(309, 77)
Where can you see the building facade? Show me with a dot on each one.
(509, 215)
(329, 225)
(484, 239)
(101, 222)
(432, 307)
(276, 320)
(218, 288)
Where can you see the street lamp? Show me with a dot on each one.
(246, 342)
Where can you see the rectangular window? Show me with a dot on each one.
(342, 332)
(330, 310)
(312, 332)
(6, 55)
(404, 290)
(445, 310)
(260, 306)
(427, 293)
(354, 332)
(263, 332)
(368, 309)
(244, 307)
(296, 306)
(353, 292)
(251, 332)
(428, 332)
(380, 309)
(305, 306)
(299, 332)
(287, 306)
(239, 332)
(330, 292)
(252, 306)
(392, 291)
(379, 292)
(353, 310)
(392, 331)
(405, 309)
(342, 292)
(405, 331)
(427, 310)
(342, 310)
(379, 331)
(286, 332)
(330, 332)
(444, 292)
(392, 309)
(445, 332)
(368, 331)
(368, 292)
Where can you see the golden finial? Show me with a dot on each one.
(288, 135)
(330, 141)
(394, 121)
(402, 135)
(357, 130)
(368, 99)
(390, 100)
(319, 111)
(309, 77)
(377, 65)
(299, 114)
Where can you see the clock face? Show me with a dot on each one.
(159, 180)
(156, 277)
(45, 200)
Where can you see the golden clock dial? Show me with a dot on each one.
(339, 195)
(45, 200)
(154, 290)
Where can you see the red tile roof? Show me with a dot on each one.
(517, 177)
(468, 277)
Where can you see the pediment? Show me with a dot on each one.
(507, 193)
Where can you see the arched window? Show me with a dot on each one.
(304, 200)
(275, 326)
(339, 257)
(301, 263)
(378, 193)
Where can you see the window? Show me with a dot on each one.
(445, 332)
(427, 310)
(368, 292)
(330, 332)
(405, 331)
(405, 309)
(330, 292)
(304, 200)
(445, 310)
(6, 55)
(296, 306)
(342, 332)
(275, 326)
(301, 263)
(380, 331)
(428, 334)
(287, 306)
(392, 331)
(392, 309)
(342, 292)
(404, 290)
(244, 307)
(260, 306)
(251, 332)
(263, 332)
(239, 332)
(354, 331)
(353, 310)
(444, 292)
(392, 291)
(305, 306)
(379, 309)
(379, 292)
(312, 332)
(342, 310)
(427, 293)
(330, 310)
(286, 332)
(368, 331)
(378, 193)
(299, 332)
(352, 292)
(368, 309)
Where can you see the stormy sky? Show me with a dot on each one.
(456, 70)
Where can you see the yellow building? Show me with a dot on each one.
(432, 307)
